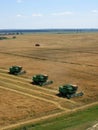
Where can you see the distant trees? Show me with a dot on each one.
(5, 35)
(11, 33)
(2, 38)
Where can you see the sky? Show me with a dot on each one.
(48, 14)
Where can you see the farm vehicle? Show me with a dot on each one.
(41, 80)
(69, 91)
(16, 70)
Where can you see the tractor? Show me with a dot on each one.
(41, 80)
(69, 91)
(16, 70)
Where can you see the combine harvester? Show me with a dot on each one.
(41, 80)
(69, 91)
(16, 70)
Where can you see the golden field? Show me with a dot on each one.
(65, 58)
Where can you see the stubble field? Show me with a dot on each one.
(65, 58)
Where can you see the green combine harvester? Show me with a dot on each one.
(41, 80)
(16, 70)
(69, 91)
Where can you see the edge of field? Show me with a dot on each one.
(75, 117)
(79, 120)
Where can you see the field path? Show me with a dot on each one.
(22, 86)
(9, 127)
(94, 127)
(25, 85)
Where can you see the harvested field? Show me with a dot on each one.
(16, 107)
(65, 58)
(71, 58)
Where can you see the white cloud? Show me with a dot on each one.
(19, 1)
(63, 13)
(95, 11)
(37, 15)
(33, 15)
(19, 15)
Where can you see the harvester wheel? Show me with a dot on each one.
(68, 96)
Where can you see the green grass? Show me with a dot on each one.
(75, 121)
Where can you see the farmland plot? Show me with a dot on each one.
(66, 58)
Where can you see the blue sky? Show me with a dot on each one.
(42, 14)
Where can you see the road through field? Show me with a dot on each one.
(94, 127)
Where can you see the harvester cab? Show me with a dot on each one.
(16, 70)
(41, 80)
(69, 91)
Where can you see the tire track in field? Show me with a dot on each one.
(41, 95)
(32, 121)
(94, 127)
(35, 93)
(27, 93)
(36, 97)
(9, 82)
(46, 59)
(29, 87)
(25, 80)
(36, 119)
(10, 127)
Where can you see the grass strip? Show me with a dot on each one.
(81, 119)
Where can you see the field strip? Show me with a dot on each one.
(24, 80)
(31, 121)
(14, 85)
(94, 127)
(25, 87)
(36, 97)
(22, 86)
(40, 118)
(9, 127)
(44, 58)
(84, 107)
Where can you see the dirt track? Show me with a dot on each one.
(27, 87)
(24, 90)
(9, 83)
(27, 93)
